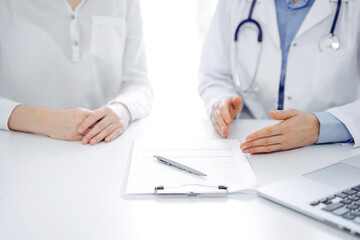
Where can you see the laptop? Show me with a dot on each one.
(330, 195)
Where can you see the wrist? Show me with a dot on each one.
(28, 119)
(44, 121)
(316, 127)
(122, 111)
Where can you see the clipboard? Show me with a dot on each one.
(227, 168)
(192, 191)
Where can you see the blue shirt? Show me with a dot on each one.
(290, 17)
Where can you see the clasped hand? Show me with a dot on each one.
(296, 129)
(105, 123)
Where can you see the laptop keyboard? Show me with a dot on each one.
(345, 204)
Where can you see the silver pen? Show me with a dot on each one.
(178, 165)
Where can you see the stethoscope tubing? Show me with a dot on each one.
(260, 34)
(333, 26)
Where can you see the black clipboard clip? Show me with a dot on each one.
(192, 190)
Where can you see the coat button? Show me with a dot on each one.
(294, 44)
(75, 43)
(72, 17)
(289, 98)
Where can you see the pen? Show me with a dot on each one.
(178, 165)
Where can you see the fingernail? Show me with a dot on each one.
(248, 139)
(93, 141)
(81, 129)
(85, 140)
(243, 147)
(107, 139)
(246, 151)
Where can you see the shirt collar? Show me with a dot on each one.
(298, 5)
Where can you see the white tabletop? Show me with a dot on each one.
(51, 189)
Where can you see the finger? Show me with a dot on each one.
(223, 131)
(101, 136)
(87, 130)
(265, 132)
(76, 138)
(236, 106)
(264, 149)
(221, 125)
(91, 120)
(117, 132)
(283, 114)
(217, 126)
(219, 118)
(225, 114)
(263, 142)
(100, 126)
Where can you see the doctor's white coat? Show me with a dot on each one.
(315, 80)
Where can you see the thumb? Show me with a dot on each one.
(283, 114)
(236, 106)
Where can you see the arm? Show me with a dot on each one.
(136, 92)
(135, 97)
(59, 124)
(332, 129)
(215, 78)
(299, 129)
(349, 114)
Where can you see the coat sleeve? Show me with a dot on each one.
(6, 108)
(349, 114)
(215, 78)
(136, 91)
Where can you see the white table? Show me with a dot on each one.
(53, 189)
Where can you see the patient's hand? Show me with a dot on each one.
(59, 124)
(105, 123)
(297, 129)
(224, 112)
(63, 124)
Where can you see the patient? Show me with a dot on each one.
(72, 70)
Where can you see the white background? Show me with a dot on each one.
(174, 33)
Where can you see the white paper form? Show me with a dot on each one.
(221, 160)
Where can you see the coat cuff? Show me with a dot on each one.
(349, 123)
(137, 109)
(6, 108)
(332, 130)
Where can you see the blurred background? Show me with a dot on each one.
(174, 34)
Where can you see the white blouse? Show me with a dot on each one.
(54, 57)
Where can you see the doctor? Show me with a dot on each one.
(296, 61)
(72, 69)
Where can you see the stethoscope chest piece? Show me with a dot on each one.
(329, 42)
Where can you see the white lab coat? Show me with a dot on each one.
(315, 80)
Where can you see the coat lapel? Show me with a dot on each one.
(266, 15)
(319, 11)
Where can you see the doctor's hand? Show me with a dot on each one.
(297, 129)
(223, 114)
(105, 123)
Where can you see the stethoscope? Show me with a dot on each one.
(329, 42)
